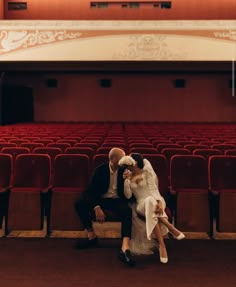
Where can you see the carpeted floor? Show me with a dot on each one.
(55, 262)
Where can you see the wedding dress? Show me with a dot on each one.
(146, 193)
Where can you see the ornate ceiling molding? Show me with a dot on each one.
(117, 40)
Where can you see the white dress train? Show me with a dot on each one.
(146, 193)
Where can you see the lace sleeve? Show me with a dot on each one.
(127, 190)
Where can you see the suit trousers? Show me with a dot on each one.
(119, 206)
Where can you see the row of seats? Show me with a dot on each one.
(196, 189)
(96, 157)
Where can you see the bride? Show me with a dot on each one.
(141, 182)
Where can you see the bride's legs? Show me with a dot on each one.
(162, 247)
(176, 233)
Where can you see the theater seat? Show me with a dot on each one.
(31, 179)
(15, 151)
(62, 146)
(99, 159)
(5, 177)
(143, 150)
(222, 178)
(70, 178)
(207, 152)
(80, 150)
(189, 183)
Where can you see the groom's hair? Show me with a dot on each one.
(138, 158)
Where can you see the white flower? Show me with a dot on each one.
(127, 160)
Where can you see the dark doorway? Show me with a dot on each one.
(17, 105)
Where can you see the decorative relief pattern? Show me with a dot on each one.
(143, 40)
(148, 47)
(120, 25)
(227, 35)
(14, 40)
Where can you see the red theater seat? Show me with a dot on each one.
(192, 147)
(18, 142)
(92, 145)
(222, 178)
(31, 139)
(160, 147)
(3, 145)
(71, 174)
(31, 146)
(80, 150)
(207, 152)
(230, 152)
(15, 151)
(44, 141)
(30, 184)
(103, 150)
(99, 159)
(62, 146)
(5, 177)
(189, 182)
(140, 145)
(223, 147)
(69, 141)
(113, 144)
(143, 150)
(169, 152)
(51, 151)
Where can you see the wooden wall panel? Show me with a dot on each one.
(80, 10)
(1, 9)
(132, 97)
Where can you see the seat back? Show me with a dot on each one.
(161, 146)
(223, 147)
(31, 145)
(71, 170)
(80, 150)
(143, 150)
(15, 151)
(32, 170)
(60, 145)
(5, 170)
(103, 150)
(230, 152)
(192, 147)
(51, 151)
(170, 152)
(99, 159)
(188, 171)
(3, 145)
(207, 152)
(140, 145)
(159, 164)
(222, 172)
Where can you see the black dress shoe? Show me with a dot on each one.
(126, 257)
(87, 243)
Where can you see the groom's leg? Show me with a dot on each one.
(83, 210)
(125, 214)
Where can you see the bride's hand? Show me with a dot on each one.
(159, 208)
(126, 174)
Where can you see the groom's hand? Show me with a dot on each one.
(100, 216)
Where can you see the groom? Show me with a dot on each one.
(106, 192)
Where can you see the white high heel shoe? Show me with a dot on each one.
(163, 259)
(180, 236)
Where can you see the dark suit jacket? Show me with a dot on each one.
(99, 184)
